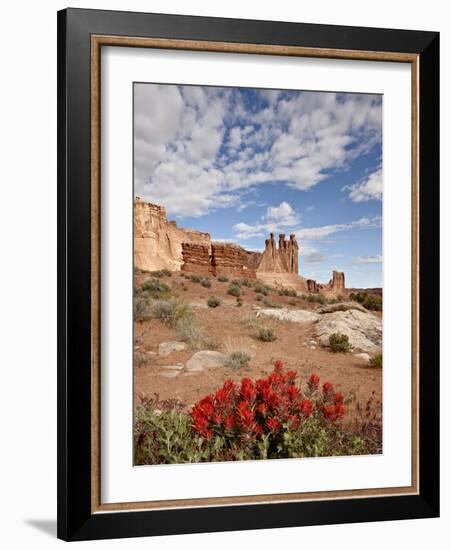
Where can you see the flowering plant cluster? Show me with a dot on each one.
(265, 409)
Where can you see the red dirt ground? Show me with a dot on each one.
(228, 325)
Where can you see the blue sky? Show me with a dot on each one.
(240, 163)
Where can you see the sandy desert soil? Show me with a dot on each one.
(232, 329)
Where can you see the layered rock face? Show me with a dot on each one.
(219, 258)
(231, 259)
(158, 242)
(196, 258)
(281, 259)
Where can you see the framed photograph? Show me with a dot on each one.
(248, 274)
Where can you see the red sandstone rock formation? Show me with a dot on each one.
(231, 259)
(219, 258)
(282, 259)
(157, 241)
(196, 258)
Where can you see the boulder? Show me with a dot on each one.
(364, 330)
(206, 360)
(293, 315)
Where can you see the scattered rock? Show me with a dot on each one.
(165, 348)
(206, 359)
(178, 366)
(343, 306)
(293, 315)
(364, 330)
(363, 356)
(169, 373)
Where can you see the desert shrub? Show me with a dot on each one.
(156, 289)
(195, 278)
(247, 283)
(292, 302)
(239, 301)
(223, 279)
(205, 281)
(261, 289)
(141, 306)
(189, 331)
(171, 311)
(213, 301)
(238, 359)
(368, 301)
(140, 359)
(333, 301)
(316, 298)
(288, 292)
(373, 302)
(161, 273)
(269, 303)
(234, 290)
(266, 334)
(272, 417)
(259, 297)
(376, 360)
(339, 342)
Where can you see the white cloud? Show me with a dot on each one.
(369, 188)
(277, 218)
(315, 233)
(369, 259)
(197, 148)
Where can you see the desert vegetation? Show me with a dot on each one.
(271, 417)
(190, 336)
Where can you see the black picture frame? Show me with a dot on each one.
(76, 521)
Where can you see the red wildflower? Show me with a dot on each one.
(273, 424)
(293, 392)
(339, 410)
(205, 406)
(247, 389)
(334, 412)
(290, 376)
(246, 416)
(313, 381)
(278, 365)
(339, 397)
(262, 408)
(294, 421)
(328, 388)
(229, 422)
(329, 412)
(306, 407)
(258, 430)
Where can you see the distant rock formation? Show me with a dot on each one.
(281, 259)
(159, 244)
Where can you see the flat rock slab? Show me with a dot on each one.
(364, 330)
(293, 315)
(171, 371)
(165, 348)
(342, 306)
(206, 360)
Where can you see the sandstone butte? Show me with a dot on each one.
(160, 244)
